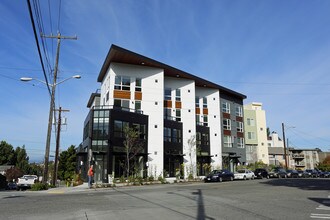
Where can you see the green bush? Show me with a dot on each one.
(39, 186)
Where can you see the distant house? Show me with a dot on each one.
(4, 168)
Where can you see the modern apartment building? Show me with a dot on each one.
(180, 119)
(302, 159)
(276, 150)
(255, 133)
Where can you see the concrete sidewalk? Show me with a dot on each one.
(64, 189)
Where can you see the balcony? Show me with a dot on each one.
(298, 156)
(300, 165)
(103, 107)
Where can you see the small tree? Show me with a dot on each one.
(7, 154)
(67, 164)
(132, 145)
(191, 147)
(325, 164)
(13, 173)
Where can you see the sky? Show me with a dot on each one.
(274, 52)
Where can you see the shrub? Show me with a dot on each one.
(39, 186)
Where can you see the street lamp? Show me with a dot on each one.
(50, 119)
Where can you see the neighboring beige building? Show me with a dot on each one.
(301, 159)
(255, 131)
(275, 150)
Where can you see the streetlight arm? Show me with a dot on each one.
(72, 77)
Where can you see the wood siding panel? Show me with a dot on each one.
(227, 132)
(205, 111)
(240, 119)
(119, 94)
(167, 104)
(240, 134)
(138, 96)
(177, 104)
(226, 115)
(198, 111)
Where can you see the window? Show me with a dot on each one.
(167, 114)
(227, 141)
(178, 95)
(167, 94)
(119, 128)
(167, 134)
(141, 129)
(226, 124)
(198, 121)
(205, 120)
(178, 114)
(226, 107)
(197, 102)
(240, 142)
(176, 135)
(138, 85)
(205, 139)
(204, 102)
(122, 103)
(239, 126)
(122, 83)
(138, 106)
(239, 111)
(250, 122)
(251, 136)
(198, 138)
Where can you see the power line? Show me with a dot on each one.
(59, 16)
(38, 46)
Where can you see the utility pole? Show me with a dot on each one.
(284, 144)
(60, 110)
(52, 103)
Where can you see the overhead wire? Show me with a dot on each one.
(38, 46)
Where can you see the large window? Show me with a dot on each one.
(198, 139)
(141, 129)
(138, 85)
(172, 135)
(239, 111)
(226, 124)
(167, 114)
(100, 124)
(197, 102)
(240, 142)
(205, 139)
(251, 136)
(167, 94)
(138, 106)
(178, 95)
(167, 134)
(119, 128)
(204, 102)
(227, 141)
(178, 114)
(226, 107)
(205, 120)
(239, 126)
(250, 122)
(122, 83)
(122, 103)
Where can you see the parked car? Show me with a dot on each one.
(326, 174)
(292, 173)
(244, 174)
(261, 173)
(302, 174)
(312, 173)
(11, 186)
(278, 173)
(26, 181)
(219, 176)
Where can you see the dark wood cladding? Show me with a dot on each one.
(198, 111)
(240, 134)
(226, 115)
(227, 132)
(240, 119)
(138, 96)
(119, 94)
(205, 111)
(178, 105)
(167, 104)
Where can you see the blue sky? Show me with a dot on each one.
(275, 52)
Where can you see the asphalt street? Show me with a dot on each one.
(251, 199)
